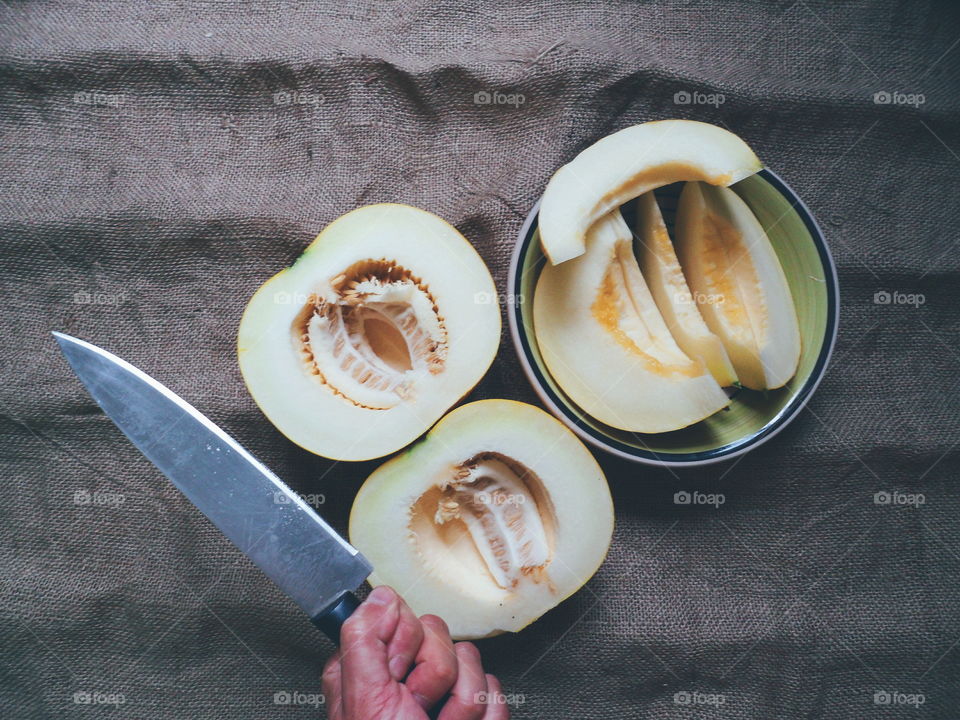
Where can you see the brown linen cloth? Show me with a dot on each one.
(162, 159)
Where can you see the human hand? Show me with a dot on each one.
(370, 676)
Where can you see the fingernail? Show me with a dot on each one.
(398, 667)
(381, 595)
(467, 647)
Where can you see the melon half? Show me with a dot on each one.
(496, 516)
(606, 344)
(384, 322)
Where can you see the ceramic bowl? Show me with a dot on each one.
(753, 417)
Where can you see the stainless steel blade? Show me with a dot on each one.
(270, 523)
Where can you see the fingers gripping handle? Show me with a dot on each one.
(331, 619)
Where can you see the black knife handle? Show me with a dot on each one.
(331, 619)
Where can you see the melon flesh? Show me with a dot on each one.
(496, 516)
(627, 164)
(606, 344)
(679, 307)
(386, 321)
(725, 253)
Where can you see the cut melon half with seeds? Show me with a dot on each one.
(627, 164)
(679, 307)
(607, 346)
(387, 319)
(726, 254)
(496, 516)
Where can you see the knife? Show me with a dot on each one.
(264, 518)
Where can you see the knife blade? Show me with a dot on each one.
(264, 518)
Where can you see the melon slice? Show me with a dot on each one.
(386, 321)
(726, 254)
(496, 516)
(606, 344)
(629, 163)
(679, 307)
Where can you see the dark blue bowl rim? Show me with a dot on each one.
(774, 425)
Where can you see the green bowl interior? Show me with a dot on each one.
(750, 413)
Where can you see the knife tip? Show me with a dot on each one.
(66, 342)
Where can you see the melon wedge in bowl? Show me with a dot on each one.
(726, 255)
(678, 305)
(383, 323)
(605, 342)
(495, 517)
(628, 163)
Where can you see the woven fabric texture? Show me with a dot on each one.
(160, 160)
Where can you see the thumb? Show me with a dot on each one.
(364, 638)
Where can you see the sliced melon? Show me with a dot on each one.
(629, 163)
(605, 343)
(496, 516)
(384, 322)
(726, 254)
(679, 307)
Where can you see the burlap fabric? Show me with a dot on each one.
(162, 159)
